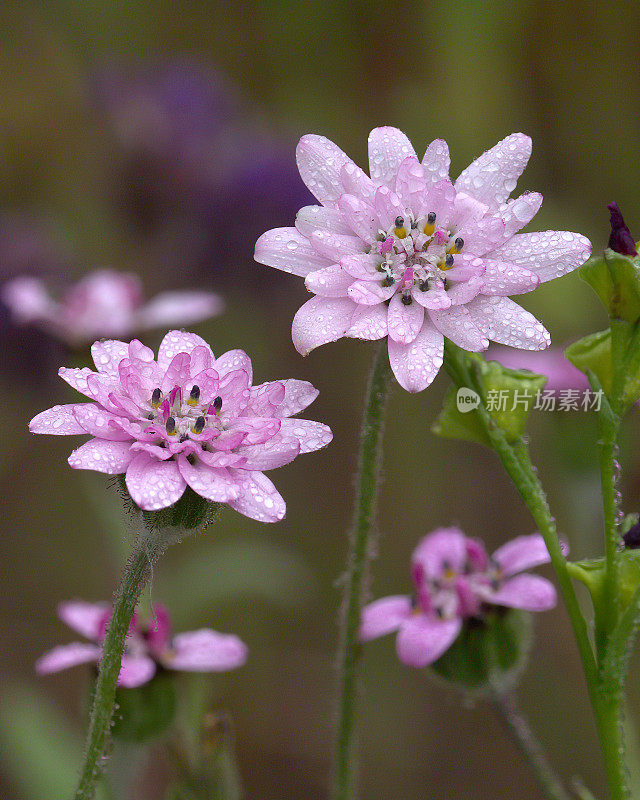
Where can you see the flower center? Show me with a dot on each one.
(416, 252)
(183, 418)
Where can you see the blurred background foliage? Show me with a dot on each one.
(92, 175)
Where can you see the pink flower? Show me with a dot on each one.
(187, 419)
(552, 363)
(104, 303)
(454, 580)
(147, 646)
(460, 241)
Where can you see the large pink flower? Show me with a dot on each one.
(104, 303)
(454, 580)
(408, 254)
(147, 646)
(187, 419)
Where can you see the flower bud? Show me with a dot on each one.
(620, 239)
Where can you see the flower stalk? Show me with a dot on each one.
(361, 547)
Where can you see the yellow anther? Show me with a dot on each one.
(400, 232)
(429, 228)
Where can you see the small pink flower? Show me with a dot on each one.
(552, 363)
(147, 646)
(104, 304)
(187, 419)
(461, 241)
(454, 579)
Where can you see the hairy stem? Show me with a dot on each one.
(361, 546)
(147, 549)
(530, 748)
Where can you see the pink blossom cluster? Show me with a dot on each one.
(454, 580)
(406, 253)
(188, 419)
(148, 646)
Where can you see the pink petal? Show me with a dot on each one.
(234, 391)
(84, 618)
(335, 246)
(423, 639)
(456, 324)
(231, 361)
(257, 429)
(356, 182)
(415, 365)
(528, 592)
(136, 670)
(434, 299)
(370, 293)
(503, 321)
(320, 163)
(58, 421)
(493, 176)
(100, 423)
(276, 452)
(205, 650)
(178, 372)
(102, 455)
(67, 655)
(331, 281)
(154, 484)
(320, 320)
(436, 161)
(551, 362)
(201, 361)
(502, 279)
(404, 321)
(288, 250)
(311, 435)
(369, 322)
(77, 379)
(141, 352)
(310, 218)
(108, 354)
(361, 266)
(440, 199)
(483, 235)
(360, 216)
(464, 291)
(259, 499)
(215, 485)
(384, 616)
(549, 254)
(519, 212)
(178, 342)
(410, 181)
(297, 396)
(388, 206)
(179, 308)
(388, 148)
(523, 552)
(442, 547)
(265, 399)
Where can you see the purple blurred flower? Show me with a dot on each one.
(455, 580)
(147, 646)
(104, 304)
(187, 419)
(197, 171)
(551, 362)
(620, 239)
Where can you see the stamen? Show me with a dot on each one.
(175, 398)
(198, 425)
(407, 299)
(170, 426)
(431, 223)
(399, 230)
(448, 261)
(457, 246)
(156, 398)
(194, 396)
(399, 222)
(217, 404)
(388, 281)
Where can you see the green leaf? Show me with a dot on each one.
(616, 280)
(40, 751)
(507, 394)
(591, 572)
(593, 353)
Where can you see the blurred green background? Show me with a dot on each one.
(469, 72)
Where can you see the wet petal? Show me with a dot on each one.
(278, 451)
(213, 484)
(503, 321)
(360, 216)
(154, 484)
(100, 423)
(502, 279)
(231, 361)
(176, 342)
(331, 281)
(288, 250)
(369, 322)
(415, 365)
(311, 435)
(549, 254)
(404, 321)
(311, 218)
(493, 176)
(102, 455)
(58, 421)
(108, 354)
(456, 324)
(320, 320)
(370, 293)
(436, 161)
(259, 499)
(320, 163)
(388, 148)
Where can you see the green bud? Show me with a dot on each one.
(489, 655)
(145, 712)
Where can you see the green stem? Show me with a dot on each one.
(516, 461)
(137, 572)
(530, 748)
(361, 547)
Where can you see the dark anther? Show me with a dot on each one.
(407, 299)
(399, 222)
(448, 260)
(198, 425)
(151, 416)
(170, 425)
(459, 243)
(431, 217)
(445, 284)
(414, 224)
(217, 404)
(632, 537)
(620, 239)
(155, 397)
(424, 286)
(194, 394)
(388, 281)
